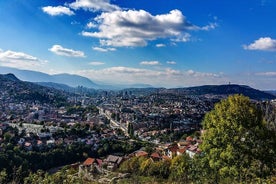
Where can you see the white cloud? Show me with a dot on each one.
(91, 25)
(20, 60)
(263, 43)
(160, 45)
(96, 63)
(171, 62)
(135, 28)
(100, 49)
(57, 10)
(150, 63)
(209, 27)
(94, 5)
(267, 74)
(163, 77)
(185, 37)
(59, 50)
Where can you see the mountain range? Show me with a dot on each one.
(224, 90)
(228, 90)
(34, 76)
(65, 79)
(13, 90)
(11, 85)
(75, 83)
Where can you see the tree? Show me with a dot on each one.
(237, 144)
(7, 137)
(3, 176)
(179, 169)
(130, 129)
(145, 167)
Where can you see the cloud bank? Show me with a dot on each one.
(164, 77)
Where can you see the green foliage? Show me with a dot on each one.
(237, 144)
(180, 168)
(130, 130)
(132, 165)
(7, 137)
(3, 176)
(146, 167)
(65, 175)
(18, 163)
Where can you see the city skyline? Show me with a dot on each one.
(161, 43)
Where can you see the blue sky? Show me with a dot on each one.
(159, 42)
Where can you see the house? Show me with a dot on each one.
(181, 151)
(39, 144)
(50, 142)
(183, 143)
(189, 139)
(164, 157)
(155, 156)
(90, 166)
(141, 154)
(192, 150)
(28, 146)
(113, 162)
(171, 151)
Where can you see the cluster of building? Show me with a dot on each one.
(163, 152)
(151, 116)
(156, 114)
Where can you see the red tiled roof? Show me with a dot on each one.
(173, 149)
(99, 162)
(27, 144)
(166, 157)
(141, 154)
(89, 161)
(155, 155)
(189, 138)
(181, 150)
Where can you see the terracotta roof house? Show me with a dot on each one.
(141, 154)
(90, 166)
(88, 161)
(155, 156)
(164, 157)
(181, 151)
(171, 151)
(189, 138)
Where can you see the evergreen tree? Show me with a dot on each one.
(130, 130)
